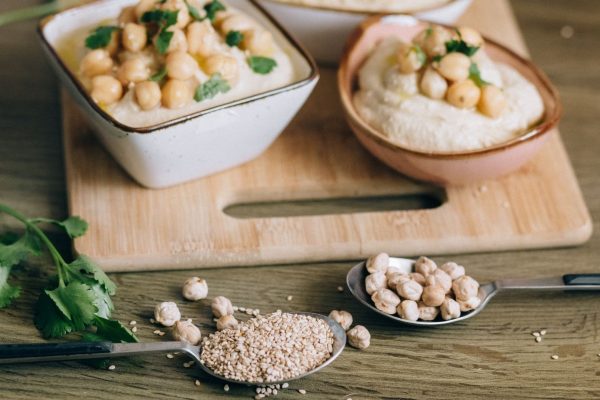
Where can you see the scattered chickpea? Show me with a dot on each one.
(463, 94)
(186, 331)
(176, 94)
(409, 289)
(454, 270)
(359, 337)
(450, 309)
(375, 281)
(380, 262)
(226, 322)
(465, 288)
(167, 313)
(106, 89)
(385, 300)
(492, 102)
(194, 289)
(433, 84)
(344, 318)
(425, 266)
(96, 62)
(221, 306)
(134, 37)
(454, 67)
(180, 65)
(409, 310)
(223, 64)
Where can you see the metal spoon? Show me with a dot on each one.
(42, 352)
(573, 282)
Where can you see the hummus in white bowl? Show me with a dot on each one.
(393, 104)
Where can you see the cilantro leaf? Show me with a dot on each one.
(100, 37)
(234, 38)
(114, 331)
(159, 76)
(209, 89)
(73, 226)
(14, 253)
(8, 238)
(84, 270)
(475, 75)
(213, 8)
(261, 65)
(49, 319)
(194, 13)
(103, 302)
(76, 302)
(460, 46)
(163, 41)
(7, 292)
(421, 56)
(165, 18)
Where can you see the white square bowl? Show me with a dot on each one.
(198, 144)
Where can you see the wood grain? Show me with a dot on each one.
(492, 356)
(317, 157)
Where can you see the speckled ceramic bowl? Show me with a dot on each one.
(443, 168)
(197, 144)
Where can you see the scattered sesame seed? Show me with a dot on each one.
(301, 391)
(169, 355)
(538, 339)
(134, 329)
(290, 298)
(111, 367)
(543, 332)
(536, 334)
(226, 388)
(567, 32)
(236, 308)
(249, 311)
(161, 334)
(132, 322)
(156, 332)
(287, 385)
(554, 357)
(259, 396)
(197, 383)
(242, 309)
(340, 289)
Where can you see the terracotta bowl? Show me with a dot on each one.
(443, 168)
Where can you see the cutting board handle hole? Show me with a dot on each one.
(336, 206)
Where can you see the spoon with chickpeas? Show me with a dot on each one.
(418, 292)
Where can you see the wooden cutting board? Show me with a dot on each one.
(317, 158)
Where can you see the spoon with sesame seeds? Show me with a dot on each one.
(70, 351)
(355, 280)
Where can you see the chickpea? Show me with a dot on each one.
(134, 70)
(176, 94)
(469, 304)
(258, 42)
(442, 279)
(470, 36)
(492, 102)
(183, 16)
(385, 300)
(134, 37)
(113, 46)
(463, 94)
(96, 62)
(409, 310)
(465, 288)
(375, 281)
(180, 65)
(425, 266)
(454, 67)
(127, 16)
(344, 318)
(186, 331)
(167, 313)
(223, 64)
(454, 270)
(433, 40)
(236, 22)
(226, 322)
(378, 263)
(410, 58)
(433, 85)
(143, 6)
(450, 309)
(409, 289)
(202, 39)
(433, 296)
(359, 337)
(394, 279)
(147, 95)
(193, 288)
(106, 89)
(427, 313)
(178, 41)
(221, 305)
(417, 277)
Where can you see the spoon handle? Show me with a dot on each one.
(565, 282)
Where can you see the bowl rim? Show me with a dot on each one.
(546, 123)
(364, 12)
(312, 76)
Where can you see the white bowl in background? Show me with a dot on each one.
(198, 144)
(324, 32)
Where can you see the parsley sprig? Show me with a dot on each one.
(77, 299)
(261, 65)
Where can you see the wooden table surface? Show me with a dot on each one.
(493, 355)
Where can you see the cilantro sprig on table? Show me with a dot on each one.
(77, 299)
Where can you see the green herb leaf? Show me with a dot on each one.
(460, 46)
(421, 56)
(114, 331)
(76, 303)
(475, 75)
(14, 253)
(100, 37)
(159, 76)
(234, 38)
(7, 292)
(164, 18)
(163, 41)
(73, 226)
(194, 13)
(213, 8)
(437, 58)
(209, 89)
(261, 65)
(8, 238)
(103, 302)
(49, 319)
(84, 270)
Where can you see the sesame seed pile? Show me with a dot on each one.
(269, 348)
